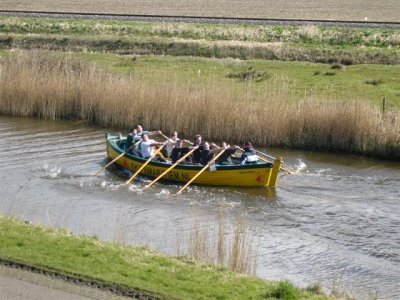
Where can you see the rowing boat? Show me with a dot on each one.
(258, 173)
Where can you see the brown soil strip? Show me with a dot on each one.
(355, 10)
(198, 19)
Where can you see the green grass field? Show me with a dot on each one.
(299, 79)
(134, 267)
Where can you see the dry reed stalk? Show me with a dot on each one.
(230, 247)
(221, 237)
(38, 85)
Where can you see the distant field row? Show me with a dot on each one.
(289, 43)
(355, 10)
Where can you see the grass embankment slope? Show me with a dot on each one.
(138, 268)
(383, 10)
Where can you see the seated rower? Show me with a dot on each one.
(140, 132)
(147, 147)
(249, 155)
(225, 158)
(207, 154)
(179, 150)
(171, 142)
(196, 155)
(129, 139)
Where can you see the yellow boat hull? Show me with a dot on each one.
(261, 174)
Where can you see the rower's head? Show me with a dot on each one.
(248, 144)
(145, 137)
(206, 146)
(197, 139)
(224, 145)
(133, 131)
(174, 135)
(139, 128)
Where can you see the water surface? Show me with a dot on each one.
(335, 222)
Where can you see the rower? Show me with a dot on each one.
(140, 132)
(147, 147)
(249, 155)
(207, 154)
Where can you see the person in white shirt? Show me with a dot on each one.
(147, 146)
(140, 132)
(171, 142)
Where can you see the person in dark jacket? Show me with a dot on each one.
(249, 155)
(207, 154)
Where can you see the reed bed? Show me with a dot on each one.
(40, 85)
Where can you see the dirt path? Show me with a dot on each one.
(16, 284)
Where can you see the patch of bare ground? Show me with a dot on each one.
(356, 10)
(97, 287)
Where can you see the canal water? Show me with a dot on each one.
(335, 222)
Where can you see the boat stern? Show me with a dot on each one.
(275, 171)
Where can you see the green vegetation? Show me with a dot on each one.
(311, 35)
(298, 79)
(274, 78)
(51, 87)
(303, 43)
(133, 267)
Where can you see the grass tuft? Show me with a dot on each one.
(284, 290)
(374, 81)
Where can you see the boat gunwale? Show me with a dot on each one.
(259, 165)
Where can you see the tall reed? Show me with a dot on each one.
(229, 246)
(39, 85)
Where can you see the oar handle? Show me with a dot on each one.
(263, 159)
(201, 171)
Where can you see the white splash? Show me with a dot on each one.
(51, 172)
(163, 192)
(300, 165)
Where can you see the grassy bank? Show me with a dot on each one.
(138, 268)
(301, 43)
(63, 88)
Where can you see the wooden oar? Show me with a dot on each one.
(169, 169)
(165, 136)
(109, 164)
(263, 159)
(145, 164)
(201, 171)
(265, 154)
(282, 168)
